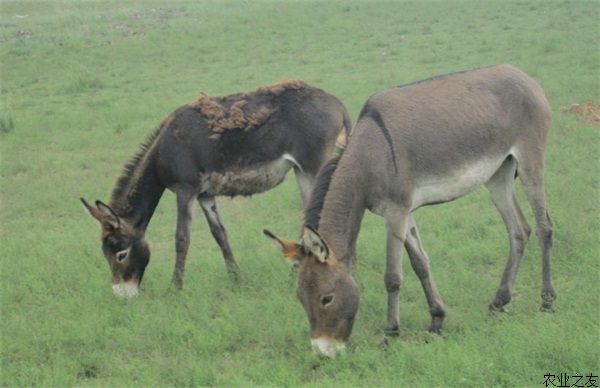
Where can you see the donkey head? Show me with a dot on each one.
(325, 289)
(124, 248)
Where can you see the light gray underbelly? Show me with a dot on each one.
(247, 181)
(459, 182)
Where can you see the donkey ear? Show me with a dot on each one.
(91, 210)
(290, 250)
(108, 215)
(314, 244)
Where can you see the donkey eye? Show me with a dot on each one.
(121, 255)
(326, 300)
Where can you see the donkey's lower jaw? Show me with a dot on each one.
(327, 346)
(125, 290)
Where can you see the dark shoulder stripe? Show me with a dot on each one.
(373, 114)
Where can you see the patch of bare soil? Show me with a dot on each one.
(125, 29)
(589, 112)
(145, 20)
(22, 34)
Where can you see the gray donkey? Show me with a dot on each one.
(241, 144)
(415, 145)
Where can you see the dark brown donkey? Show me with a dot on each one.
(415, 145)
(240, 144)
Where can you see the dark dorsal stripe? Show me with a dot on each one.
(373, 114)
(312, 213)
(440, 76)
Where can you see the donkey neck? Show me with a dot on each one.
(138, 190)
(342, 213)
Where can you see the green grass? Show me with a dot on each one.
(82, 83)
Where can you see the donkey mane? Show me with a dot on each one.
(123, 186)
(312, 213)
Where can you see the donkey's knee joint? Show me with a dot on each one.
(520, 240)
(521, 236)
(181, 243)
(545, 238)
(545, 234)
(393, 281)
(392, 287)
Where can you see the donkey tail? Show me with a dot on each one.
(342, 139)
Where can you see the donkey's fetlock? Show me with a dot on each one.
(437, 319)
(177, 280)
(392, 331)
(233, 270)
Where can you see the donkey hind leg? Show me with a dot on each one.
(502, 191)
(396, 221)
(209, 207)
(532, 178)
(305, 183)
(420, 264)
(185, 199)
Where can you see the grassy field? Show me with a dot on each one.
(82, 83)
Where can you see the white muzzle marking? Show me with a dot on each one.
(126, 290)
(327, 346)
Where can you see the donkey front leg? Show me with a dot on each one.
(185, 199)
(209, 207)
(396, 236)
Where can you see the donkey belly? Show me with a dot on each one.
(432, 189)
(246, 181)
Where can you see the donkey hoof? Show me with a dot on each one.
(177, 284)
(435, 329)
(234, 275)
(234, 271)
(385, 342)
(497, 309)
(548, 298)
(547, 308)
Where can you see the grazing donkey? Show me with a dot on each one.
(414, 145)
(241, 144)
